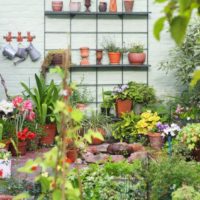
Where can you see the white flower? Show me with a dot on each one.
(188, 118)
(6, 107)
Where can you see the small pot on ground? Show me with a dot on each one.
(21, 149)
(136, 58)
(156, 140)
(97, 141)
(72, 155)
(57, 6)
(123, 106)
(50, 132)
(128, 5)
(114, 57)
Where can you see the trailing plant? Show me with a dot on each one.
(44, 97)
(125, 129)
(184, 59)
(136, 48)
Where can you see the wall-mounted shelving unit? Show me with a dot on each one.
(95, 15)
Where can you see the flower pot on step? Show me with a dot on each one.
(156, 140)
(21, 149)
(123, 106)
(114, 57)
(57, 6)
(50, 132)
(72, 155)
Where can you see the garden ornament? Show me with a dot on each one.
(9, 52)
(33, 52)
(21, 53)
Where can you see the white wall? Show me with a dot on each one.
(23, 15)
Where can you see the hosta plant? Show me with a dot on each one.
(190, 135)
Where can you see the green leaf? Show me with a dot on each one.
(22, 196)
(158, 27)
(77, 115)
(57, 194)
(178, 28)
(45, 184)
(1, 131)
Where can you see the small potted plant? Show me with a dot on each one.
(190, 136)
(5, 164)
(107, 102)
(57, 6)
(128, 5)
(147, 125)
(75, 6)
(136, 54)
(114, 52)
(122, 98)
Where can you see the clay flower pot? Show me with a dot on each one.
(156, 140)
(113, 6)
(97, 141)
(136, 58)
(57, 6)
(114, 57)
(87, 5)
(84, 51)
(102, 6)
(128, 5)
(75, 6)
(123, 106)
(21, 149)
(99, 56)
(72, 155)
(50, 132)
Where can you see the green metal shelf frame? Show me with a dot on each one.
(96, 16)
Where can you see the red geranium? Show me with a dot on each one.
(31, 135)
(25, 134)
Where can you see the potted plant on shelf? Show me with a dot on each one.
(190, 136)
(136, 54)
(5, 164)
(122, 98)
(114, 52)
(44, 97)
(147, 125)
(57, 6)
(75, 6)
(107, 103)
(128, 5)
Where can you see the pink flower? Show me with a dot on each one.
(27, 105)
(30, 116)
(17, 101)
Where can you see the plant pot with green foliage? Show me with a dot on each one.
(44, 97)
(107, 103)
(136, 54)
(114, 52)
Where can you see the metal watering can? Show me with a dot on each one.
(9, 52)
(21, 53)
(33, 52)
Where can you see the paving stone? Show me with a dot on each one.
(119, 149)
(91, 158)
(137, 147)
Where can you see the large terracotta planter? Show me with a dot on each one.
(123, 106)
(136, 58)
(97, 141)
(50, 132)
(57, 6)
(113, 6)
(5, 197)
(21, 149)
(128, 5)
(114, 57)
(156, 140)
(72, 155)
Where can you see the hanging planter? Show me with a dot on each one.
(156, 140)
(123, 106)
(57, 6)
(50, 131)
(128, 5)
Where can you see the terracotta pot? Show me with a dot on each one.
(156, 140)
(114, 57)
(72, 155)
(57, 59)
(81, 106)
(84, 51)
(87, 5)
(75, 6)
(97, 141)
(128, 5)
(5, 197)
(21, 149)
(50, 132)
(113, 6)
(102, 6)
(123, 106)
(57, 6)
(99, 56)
(136, 58)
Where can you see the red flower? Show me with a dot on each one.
(31, 135)
(67, 160)
(30, 116)
(22, 135)
(1, 172)
(25, 130)
(27, 105)
(34, 168)
(17, 101)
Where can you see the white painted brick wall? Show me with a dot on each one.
(23, 15)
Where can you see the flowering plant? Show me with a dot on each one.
(6, 107)
(4, 155)
(147, 122)
(121, 92)
(25, 134)
(168, 129)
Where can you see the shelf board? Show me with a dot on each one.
(110, 67)
(68, 13)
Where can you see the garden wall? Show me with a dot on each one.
(23, 15)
